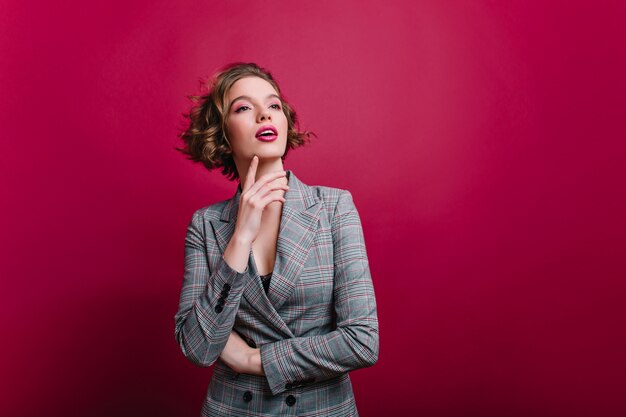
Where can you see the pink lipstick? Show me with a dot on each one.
(267, 133)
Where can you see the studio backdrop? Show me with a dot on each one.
(482, 141)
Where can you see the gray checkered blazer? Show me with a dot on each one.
(317, 322)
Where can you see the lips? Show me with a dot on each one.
(267, 133)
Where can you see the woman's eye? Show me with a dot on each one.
(240, 109)
(275, 106)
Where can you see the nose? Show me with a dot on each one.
(263, 115)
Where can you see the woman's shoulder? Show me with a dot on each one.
(328, 194)
(336, 200)
(211, 212)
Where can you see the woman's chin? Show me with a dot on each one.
(268, 158)
(268, 154)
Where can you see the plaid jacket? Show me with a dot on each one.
(317, 322)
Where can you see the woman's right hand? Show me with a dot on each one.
(255, 196)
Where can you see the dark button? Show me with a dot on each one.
(251, 343)
(218, 308)
(288, 385)
(290, 400)
(226, 287)
(220, 301)
(247, 396)
(224, 293)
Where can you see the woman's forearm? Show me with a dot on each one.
(255, 365)
(237, 253)
(209, 298)
(240, 357)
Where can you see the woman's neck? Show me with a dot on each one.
(265, 166)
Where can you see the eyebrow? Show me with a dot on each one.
(250, 99)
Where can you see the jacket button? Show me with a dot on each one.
(224, 293)
(247, 396)
(290, 400)
(218, 309)
(226, 287)
(220, 302)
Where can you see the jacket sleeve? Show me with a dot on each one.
(297, 361)
(209, 300)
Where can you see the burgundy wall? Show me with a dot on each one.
(483, 143)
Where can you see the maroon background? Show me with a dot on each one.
(483, 143)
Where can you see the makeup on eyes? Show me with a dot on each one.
(242, 106)
(249, 99)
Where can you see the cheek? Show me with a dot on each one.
(236, 128)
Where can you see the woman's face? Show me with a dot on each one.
(256, 122)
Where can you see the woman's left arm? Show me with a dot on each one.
(240, 357)
(297, 361)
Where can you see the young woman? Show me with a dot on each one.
(276, 290)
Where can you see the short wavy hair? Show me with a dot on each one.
(204, 133)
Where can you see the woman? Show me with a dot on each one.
(277, 289)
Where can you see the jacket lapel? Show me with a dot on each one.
(254, 293)
(298, 225)
(224, 228)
